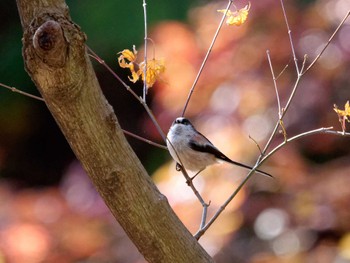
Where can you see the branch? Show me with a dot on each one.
(299, 74)
(125, 131)
(274, 84)
(327, 44)
(206, 57)
(327, 130)
(290, 38)
(13, 89)
(145, 140)
(299, 136)
(145, 47)
(139, 99)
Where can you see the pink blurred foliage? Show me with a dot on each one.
(60, 224)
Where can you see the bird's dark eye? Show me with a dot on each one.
(182, 121)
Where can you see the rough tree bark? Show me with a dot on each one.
(56, 59)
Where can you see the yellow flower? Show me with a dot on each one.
(154, 68)
(127, 55)
(343, 113)
(236, 18)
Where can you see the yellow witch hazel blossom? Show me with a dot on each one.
(154, 68)
(238, 17)
(343, 115)
(127, 59)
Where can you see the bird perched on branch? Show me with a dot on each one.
(192, 150)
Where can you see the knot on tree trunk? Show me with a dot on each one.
(55, 56)
(50, 44)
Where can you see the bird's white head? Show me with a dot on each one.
(181, 126)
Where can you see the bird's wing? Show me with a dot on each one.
(202, 144)
(208, 147)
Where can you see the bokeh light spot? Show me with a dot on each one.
(270, 223)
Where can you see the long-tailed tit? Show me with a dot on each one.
(193, 150)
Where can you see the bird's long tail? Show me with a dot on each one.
(248, 167)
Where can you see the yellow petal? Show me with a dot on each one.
(236, 18)
(128, 54)
(134, 77)
(343, 113)
(347, 108)
(229, 13)
(123, 63)
(154, 68)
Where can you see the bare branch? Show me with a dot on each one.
(327, 44)
(296, 84)
(103, 63)
(224, 205)
(197, 194)
(13, 89)
(206, 57)
(126, 132)
(139, 99)
(274, 84)
(327, 130)
(299, 136)
(145, 140)
(145, 52)
(290, 38)
(283, 70)
(256, 143)
(181, 167)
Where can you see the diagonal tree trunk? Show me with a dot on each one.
(55, 58)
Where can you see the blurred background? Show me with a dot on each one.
(50, 212)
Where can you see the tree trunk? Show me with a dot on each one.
(56, 59)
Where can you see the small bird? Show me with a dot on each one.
(193, 150)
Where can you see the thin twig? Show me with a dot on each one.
(180, 167)
(103, 63)
(296, 84)
(154, 120)
(327, 44)
(206, 57)
(145, 140)
(301, 135)
(256, 143)
(201, 231)
(145, 52)
(139, 99)
(274, 84)
(327, 130)
(339, 133)
(290, 38)
(197, 194)
(126, 132)
(204, 215)
(283, 70)
(13, 89)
